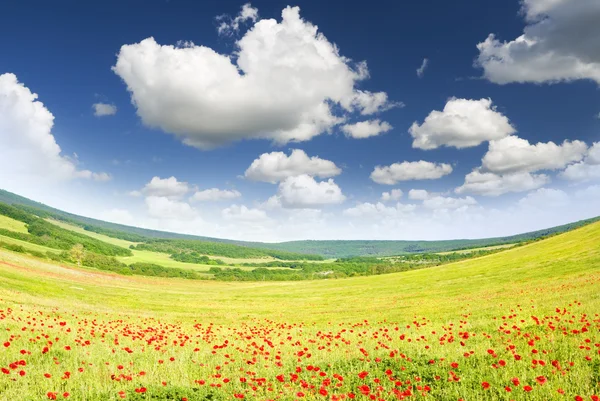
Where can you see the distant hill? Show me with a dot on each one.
(330, 248)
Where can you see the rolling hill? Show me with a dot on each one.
(328, 249)
(519, 324)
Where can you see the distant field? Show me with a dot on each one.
(155, 257)
(13, 225)
(484, 248)
(330, 249)
(164, 260)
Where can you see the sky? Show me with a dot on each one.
(275, 121)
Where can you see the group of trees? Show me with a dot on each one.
(195, 257)
(172, 247)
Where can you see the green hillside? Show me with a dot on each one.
(327, 249)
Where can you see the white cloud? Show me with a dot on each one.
(406, 171)
(378, 210)
(513, 154)
(214, 195)
(366, 129)
(228, 25)
(490, 184)
(276, 166)
(593, 155)
(445, 202)
(104, 109)
(164, 187)
(463, 123)
(273, 203)
(421, 69)
(244, 214)
(101, 177)
(590, 194)
(581, 172)
(29, 154)
(283, 83)
(303, 192)
(559, 43)
(418, 194)
(545, 198)
(393, 195)
(586, 170)
(367, 102)
(164, 208)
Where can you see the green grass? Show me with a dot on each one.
(484, 248)
(347, 326)
(498, 276)
(12, 224)
(164, 260)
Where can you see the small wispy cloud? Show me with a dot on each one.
(104, 109)
(421, 69)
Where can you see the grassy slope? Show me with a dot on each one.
(484, 248)
(12, 224)
(474, 296)
(497, 278)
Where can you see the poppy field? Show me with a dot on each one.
(522, 324)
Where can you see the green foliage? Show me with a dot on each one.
(150, 269)
(55, 256)
(174, 393)
(15, 213)
(22, 249)
(127, 236)
(341, 268)
(50, 235)
(110, 263)
(179, 247)
(13, 247)
(195, 257)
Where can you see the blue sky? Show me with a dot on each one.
(217, 75)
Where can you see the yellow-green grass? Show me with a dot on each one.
(556, 280)
(574, 256)
(165, 260)
(484, 248)
(13, 225)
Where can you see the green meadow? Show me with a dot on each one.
(458, 331)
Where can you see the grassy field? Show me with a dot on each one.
(485, 248)
(522, 324)
(164, 260)
(12, 224)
